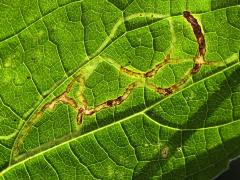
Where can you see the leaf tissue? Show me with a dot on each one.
(119, 89)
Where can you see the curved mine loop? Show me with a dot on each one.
(173, 88)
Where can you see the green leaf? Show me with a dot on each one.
(118, 89)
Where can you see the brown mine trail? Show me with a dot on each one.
(152, 72)
(82, 111)
(198, 60)
(197, 31)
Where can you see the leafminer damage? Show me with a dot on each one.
(83, 108)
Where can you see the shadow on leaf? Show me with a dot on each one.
(152, 168)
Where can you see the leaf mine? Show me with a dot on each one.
(198, 61)
(197, 31)
(82, 109)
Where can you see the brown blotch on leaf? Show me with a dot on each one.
(165, 92)
(79, 115)
(196, 68)
(159, 90)
(119, 99)
(174, 87)
(109, 102)
(168, 91)
(165, 152)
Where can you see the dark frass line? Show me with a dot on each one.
(197, 31)
(107, 104)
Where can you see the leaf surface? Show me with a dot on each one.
(118, 89)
